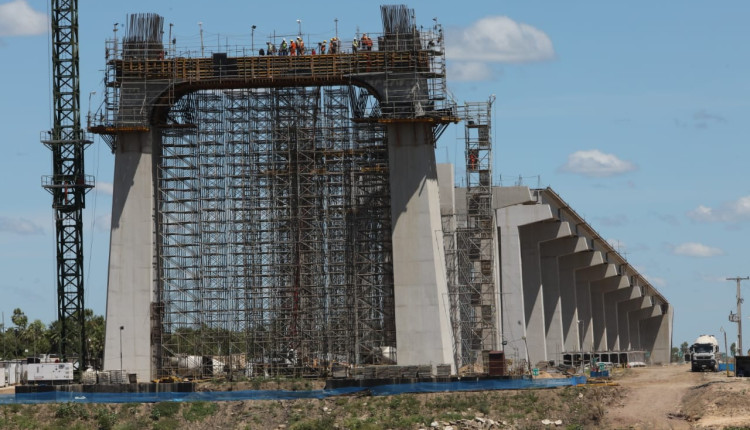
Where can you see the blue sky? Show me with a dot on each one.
(636, 113)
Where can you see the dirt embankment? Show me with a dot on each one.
(673, 397)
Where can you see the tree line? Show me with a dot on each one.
(23, 339)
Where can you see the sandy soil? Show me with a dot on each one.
(673, 397)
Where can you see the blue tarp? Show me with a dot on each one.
(214, 396)
(723, 367)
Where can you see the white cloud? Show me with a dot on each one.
(596, 163)
(104, 188)
(728, 212)
(498, 39)
(694, 249)
(19, 226)
(17, 18)
(469, 71)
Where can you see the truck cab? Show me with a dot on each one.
(703, 354)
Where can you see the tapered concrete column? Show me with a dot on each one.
(584, 278)
(605, 313)
(532, 236)
(656, 335)
(628, 335)
(617, 337)
(513, 324)
(423, 333)
(551, 252)
(131, 258)
(635, 320)
(569, 265)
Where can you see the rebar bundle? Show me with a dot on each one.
(143, 35)
(397, 19)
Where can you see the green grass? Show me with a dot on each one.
(325, 423)
(199, 411)
(164, 410)
(166, 424)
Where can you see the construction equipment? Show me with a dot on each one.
(68, 184)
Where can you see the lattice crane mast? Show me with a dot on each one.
(68, 184)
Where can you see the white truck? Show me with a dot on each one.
(703, 353)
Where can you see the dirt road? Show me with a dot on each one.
(673, 397)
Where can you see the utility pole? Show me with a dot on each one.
(738, 316)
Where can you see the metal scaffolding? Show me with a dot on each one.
(469, 240)
(274, 233)
(273, 219)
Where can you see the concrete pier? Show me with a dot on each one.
(130, 289)
(423, 332)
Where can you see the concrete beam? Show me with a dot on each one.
(532, 236)
(551, 251)
(513, 322)
(568, 265)
(423, 331)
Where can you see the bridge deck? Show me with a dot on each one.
(265, 70)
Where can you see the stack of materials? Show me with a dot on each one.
(443, 370)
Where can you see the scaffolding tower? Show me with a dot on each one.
(274, 233)
(469, 240)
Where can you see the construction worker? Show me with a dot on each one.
(323, 47)
(300, 46)
(284, 48)
(355, 45)
(473, 158)
(293, 48)
(366, 42)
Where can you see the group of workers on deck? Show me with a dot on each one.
(297, 46)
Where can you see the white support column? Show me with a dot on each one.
(423, 333)
(131, 258)
(551, 252)
(513, 324)
(569, 265)
(584, 278)
(605, 314)
(532, 238)
(628, 333)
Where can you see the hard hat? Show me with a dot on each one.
(325, 41)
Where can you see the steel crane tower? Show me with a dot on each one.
(68, 184)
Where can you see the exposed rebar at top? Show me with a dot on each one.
(397, 19)
(143, 37)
